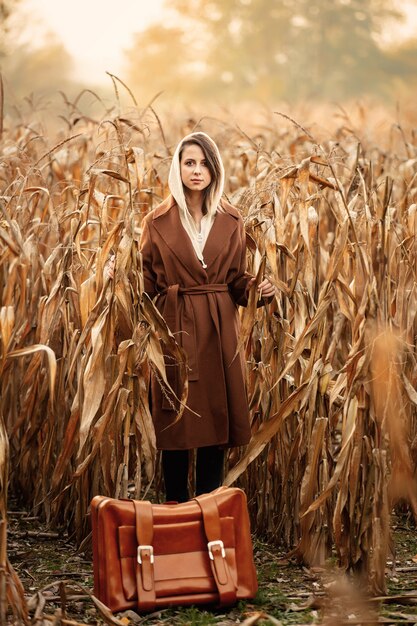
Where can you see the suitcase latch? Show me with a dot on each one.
(212, 544)
(143, 547)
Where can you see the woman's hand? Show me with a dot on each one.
(109, 267)
(265, 288)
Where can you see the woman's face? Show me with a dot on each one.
(195, 174)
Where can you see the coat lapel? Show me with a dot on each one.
(168, 224)
(223, 228)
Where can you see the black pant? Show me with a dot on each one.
(209, 472)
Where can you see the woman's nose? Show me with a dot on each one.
(197, 167)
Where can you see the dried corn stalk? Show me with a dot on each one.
(333, 226)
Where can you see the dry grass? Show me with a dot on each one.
(331, 367)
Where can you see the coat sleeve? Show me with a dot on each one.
(146, 250)
(240, 287)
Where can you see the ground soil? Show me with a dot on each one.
(59, 577)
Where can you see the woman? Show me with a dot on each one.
(194, 264)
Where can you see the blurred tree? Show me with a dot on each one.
(159, 60)
(26, 68)
(6, 10)
(291, 48)
(336, 51)
(404, 55)
(43, 70)
(247, 44)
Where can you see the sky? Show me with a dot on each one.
(96, 32)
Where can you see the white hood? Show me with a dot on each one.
(198, 239)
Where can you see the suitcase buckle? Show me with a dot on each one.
(211, 545)
(143, 547)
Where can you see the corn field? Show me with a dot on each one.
(331, 219)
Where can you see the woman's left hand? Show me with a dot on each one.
(266, 289)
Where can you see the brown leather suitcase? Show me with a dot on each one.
(147, 556)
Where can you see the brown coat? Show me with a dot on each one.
(200, 307)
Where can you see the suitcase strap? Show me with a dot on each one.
(217, 553)
(145, 580)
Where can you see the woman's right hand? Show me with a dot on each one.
(109, 267)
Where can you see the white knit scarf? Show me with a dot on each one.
(198, 238)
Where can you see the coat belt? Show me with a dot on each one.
(171, 311)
